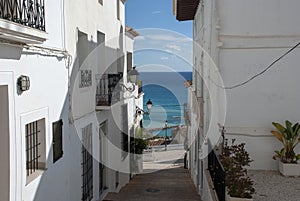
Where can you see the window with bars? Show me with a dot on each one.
(87, 163)
(35, 148)
(57, 140)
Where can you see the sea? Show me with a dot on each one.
(167, 92)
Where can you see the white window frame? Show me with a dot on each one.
(27, 118)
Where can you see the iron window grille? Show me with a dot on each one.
(57, 140)
(33, 146)
(87, 164)
(29, 13)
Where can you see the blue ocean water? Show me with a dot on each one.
(168, 95)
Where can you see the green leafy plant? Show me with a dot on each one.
(289, 137)
(137, 145)
(234, 158)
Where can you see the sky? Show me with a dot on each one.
(164, 44)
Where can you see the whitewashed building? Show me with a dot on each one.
(240, 39)
(33, 102)
(102, 100)
(67, 108)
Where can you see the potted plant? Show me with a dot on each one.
(137, 146)
(289, 137)
(234, 158)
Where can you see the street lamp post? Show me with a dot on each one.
(166, 128)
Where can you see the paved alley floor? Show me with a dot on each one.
(170, 184)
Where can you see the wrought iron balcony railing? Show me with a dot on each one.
(217, 173)
(107, 92)
(29, 13)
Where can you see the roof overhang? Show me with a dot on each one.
(185, 9)
(131, 31)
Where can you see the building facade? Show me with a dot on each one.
(102, 98)
(34, 94)
(239, 40)
(68, 108)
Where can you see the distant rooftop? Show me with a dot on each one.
(130, 30)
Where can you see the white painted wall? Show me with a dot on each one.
(253, 35)
(242, 38)
(248, 39)
(48, 92)
(48, 97)
(92, 17)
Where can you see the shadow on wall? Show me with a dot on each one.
(63, 179)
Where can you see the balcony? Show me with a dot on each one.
(22, 21)
(107, 92)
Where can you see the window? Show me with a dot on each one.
(35, 148)
(57, 140)
(129, 61)
(87, 163)
(118, 9)
(124, 136)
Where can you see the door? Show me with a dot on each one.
(4, 144)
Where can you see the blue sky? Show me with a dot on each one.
(164, 44)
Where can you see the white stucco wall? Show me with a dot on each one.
(92, 17)
(253, 35)
(46, 98)
(243, 38)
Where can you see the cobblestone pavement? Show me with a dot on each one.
(271, 186)
(170, 184)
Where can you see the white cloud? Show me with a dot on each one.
(140, 38)
(173, 47)
(164, 58)
(164, 37)
(156, 12)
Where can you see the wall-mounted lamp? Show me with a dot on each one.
(140, 111)
(133, 78)
(133, 75)
(23, 83)
(149, 104)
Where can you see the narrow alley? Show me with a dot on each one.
(170, 184)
